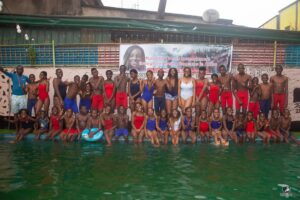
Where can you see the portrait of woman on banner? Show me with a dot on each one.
(134, 58)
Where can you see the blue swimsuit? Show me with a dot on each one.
(148, 93)
(163, 125)
(151, 124)
(188, 124)
(215, 124)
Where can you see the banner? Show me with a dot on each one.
(145, 57)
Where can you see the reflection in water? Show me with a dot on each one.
(94, 171)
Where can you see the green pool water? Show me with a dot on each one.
(46, 170)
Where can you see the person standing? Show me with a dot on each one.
(18, 97)
(60, 90)
(121, 84)
(226, 89)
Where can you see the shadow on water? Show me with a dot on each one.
(45, 170)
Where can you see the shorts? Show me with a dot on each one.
(265, 106)
(279, 99)
(97, 102)
(243, 96)
(240, 132)
(30, 105)
(121, 99)
(121, 132)
(85, 102)
(168, 96)
(159, 103)
(71, 104)
(254, 107)
(73, 131)
(18, 102)
(226, 99)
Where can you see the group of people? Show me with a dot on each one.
(159, 108)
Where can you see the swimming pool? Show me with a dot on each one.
(46, 170)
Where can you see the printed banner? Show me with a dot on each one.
(144, 57)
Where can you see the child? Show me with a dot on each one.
(121, 121)
(159, 92)
(109, 90)
(188, 126)
(239, 126)
(43, 97)
(85, 96)
(162, 126)
(150, 128)
(186, 89)
(134, 89)
(148, 89)
(107, 121)
(250, 127)
(94, 122)
(201, 89)
(121, 82)
(255, 93)
(266, 95)
(285, 125)
(228, 124)
(138, 123)
(31, 90)
(175, 126)
(203, 127)
(274, 126)
(42, 125)
(214, 94)
(55, 123)
(25, 124)
(70, 130)
(262, 127)
(215, 126)
(81, 120)
(73, 90)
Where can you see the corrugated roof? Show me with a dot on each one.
(152, 25)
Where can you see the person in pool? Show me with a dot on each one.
(285, 126)
(162, 126)
(203, 127)
(175, 126)
(138, 123)
(121, 121)
(148, 90)
(55, 127)
(82, 119)
(150, 128)
(94, 122)
(107, 121)
(134, 58)
(188, 126)
(42, 125)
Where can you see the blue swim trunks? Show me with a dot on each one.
(121, 132)
(30, 105)
(71, 104)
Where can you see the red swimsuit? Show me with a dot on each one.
(199, 88)
(55, 122)
(138, 121)
(214, 93)
(109, 88)
(108, 124)
(43, 95)
(250, 127)
(203, 126)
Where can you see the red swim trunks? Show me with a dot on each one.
(97, 102)
(254, 107)
(279, 99)
(121, 99)
(203, 126)
(214, 94)
(73, 131)
(226, 99)
(243, 96)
